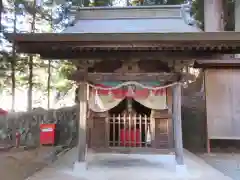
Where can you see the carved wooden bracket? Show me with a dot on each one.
(100, 77)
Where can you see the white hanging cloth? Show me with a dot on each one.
(148, 138)
(102, 103)
(154, 101)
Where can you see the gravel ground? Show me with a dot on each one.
(19, 164)
(228, 163)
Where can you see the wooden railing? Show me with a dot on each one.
(129, 130)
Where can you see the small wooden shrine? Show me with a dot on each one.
(125, 113)
(130, 62)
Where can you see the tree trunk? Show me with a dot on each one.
(30, 64)
(13, 66)
(13, 63)
(30, 82)
(49, 83)
(1, 10)
(49, 73)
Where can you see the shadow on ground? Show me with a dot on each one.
(124, 163)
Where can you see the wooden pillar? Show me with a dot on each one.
(82, 131)
(213, 22)
(237, 15)
(237, 20)
(177, 123)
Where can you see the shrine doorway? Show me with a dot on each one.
(129, 125)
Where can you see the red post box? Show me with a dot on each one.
(47, 134)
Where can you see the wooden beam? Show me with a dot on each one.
(73, 50)
(222, 63)
(82, 131)
(113, 55)
(99, 77)
(125, 45)
(177, 124)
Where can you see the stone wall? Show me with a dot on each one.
(28, 124)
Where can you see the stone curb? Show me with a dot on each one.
(51, 157)
(5, 148)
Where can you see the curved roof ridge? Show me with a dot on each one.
(77, 8)
(187, 17)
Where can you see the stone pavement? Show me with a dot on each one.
(19, 163)
(228, 163)
(134, 167)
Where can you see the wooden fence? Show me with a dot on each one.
(129, 130)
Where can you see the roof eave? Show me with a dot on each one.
(124, 37)
(211, 42)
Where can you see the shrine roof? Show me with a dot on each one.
(133, 31)
(147, 25)
(140, 19)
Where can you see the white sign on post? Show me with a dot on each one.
(47, 130)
